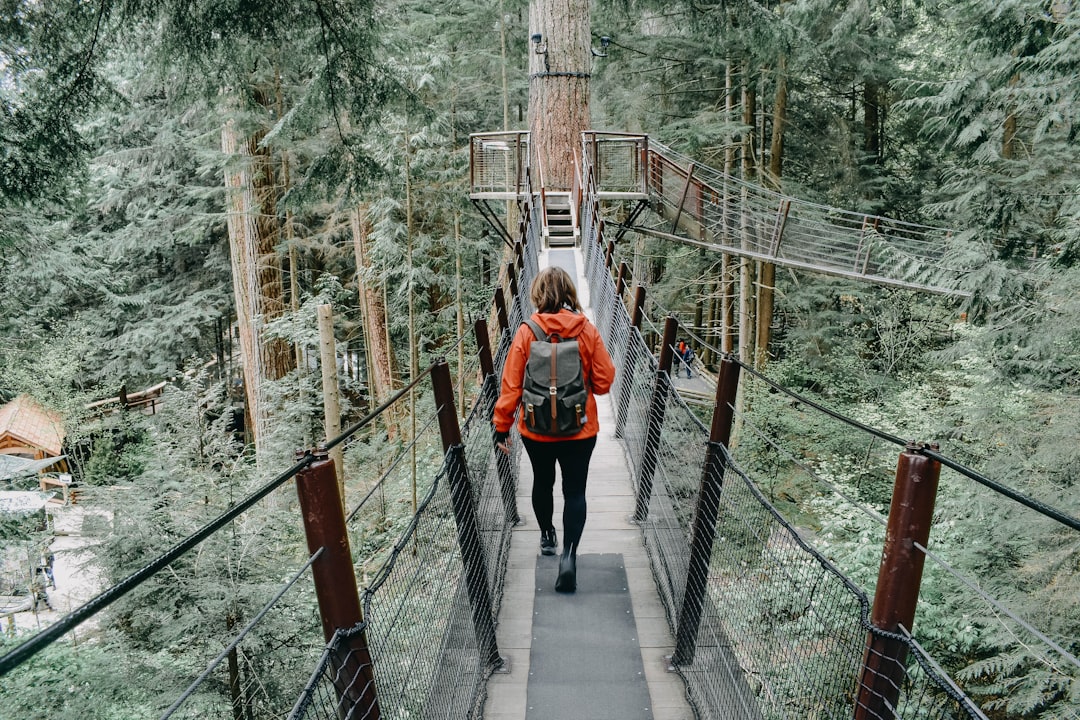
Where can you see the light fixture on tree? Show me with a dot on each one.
(605, 41)
(540, 48)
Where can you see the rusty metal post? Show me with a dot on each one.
(609, 254)
(620, 282)
(335, 581)
(639, 307)
(511, 273)
(657, 408)
(461, 497)
(500, 309)
(490, 393)
(624, 382)
(483, 347)
(899, 577)
(703, 531)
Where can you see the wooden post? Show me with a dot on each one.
(899, 578)
(461, 497)
(657, 408)
(703, 532)
(335, 583)
(331, 399)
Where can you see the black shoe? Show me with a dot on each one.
(567, 580)
(548, 542)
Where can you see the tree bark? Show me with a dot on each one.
(746, 266)
(559, 70)
(871, 124)
(767, 276)
(256, 269)
(727, 261)
(1008, 140)
(331, 398)
(373, 311)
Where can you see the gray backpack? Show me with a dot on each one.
(553, 394)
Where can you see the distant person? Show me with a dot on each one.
(686, 356)
(558, 313)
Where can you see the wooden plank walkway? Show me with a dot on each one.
(610, 498)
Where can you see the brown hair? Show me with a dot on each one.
(551, 289)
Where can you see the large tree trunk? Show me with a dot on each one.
(559, 67)
(380, 359)
(257, 286)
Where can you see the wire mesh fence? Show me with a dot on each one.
(715, 210)
(780, 633)
(497, 163)
(617, 161)
(429, 638)
(430, 612)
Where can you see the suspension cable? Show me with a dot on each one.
(55, 631)
(1036, 505)
(393, 466)
(379, 410)
(997, 604)
(239, 638)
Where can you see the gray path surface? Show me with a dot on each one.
(585, 660)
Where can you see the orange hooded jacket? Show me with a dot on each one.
(596, 366)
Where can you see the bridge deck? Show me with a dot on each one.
(522, 635)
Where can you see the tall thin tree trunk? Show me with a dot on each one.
(377, 350)
(413, 349)
(1008, 139)
(290, 241)
(727, 261)
(746, 266)
(767, 277)
(460, 307)
(559, 69)
(871, 126)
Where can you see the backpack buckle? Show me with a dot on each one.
(553, 391)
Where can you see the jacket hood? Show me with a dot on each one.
(565, 323)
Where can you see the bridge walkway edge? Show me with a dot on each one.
(608, 529)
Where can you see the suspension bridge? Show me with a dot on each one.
(696, 597)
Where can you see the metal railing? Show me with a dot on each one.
(498, 163)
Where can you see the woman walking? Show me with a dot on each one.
(558, 313)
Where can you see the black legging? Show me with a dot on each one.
(573, 457)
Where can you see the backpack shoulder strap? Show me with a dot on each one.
(537, 331)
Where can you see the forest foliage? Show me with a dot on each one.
(115, 267)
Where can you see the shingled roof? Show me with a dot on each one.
(24, 423)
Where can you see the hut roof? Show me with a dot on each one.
(27, 422)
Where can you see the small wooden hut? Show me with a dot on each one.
(29, 431)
